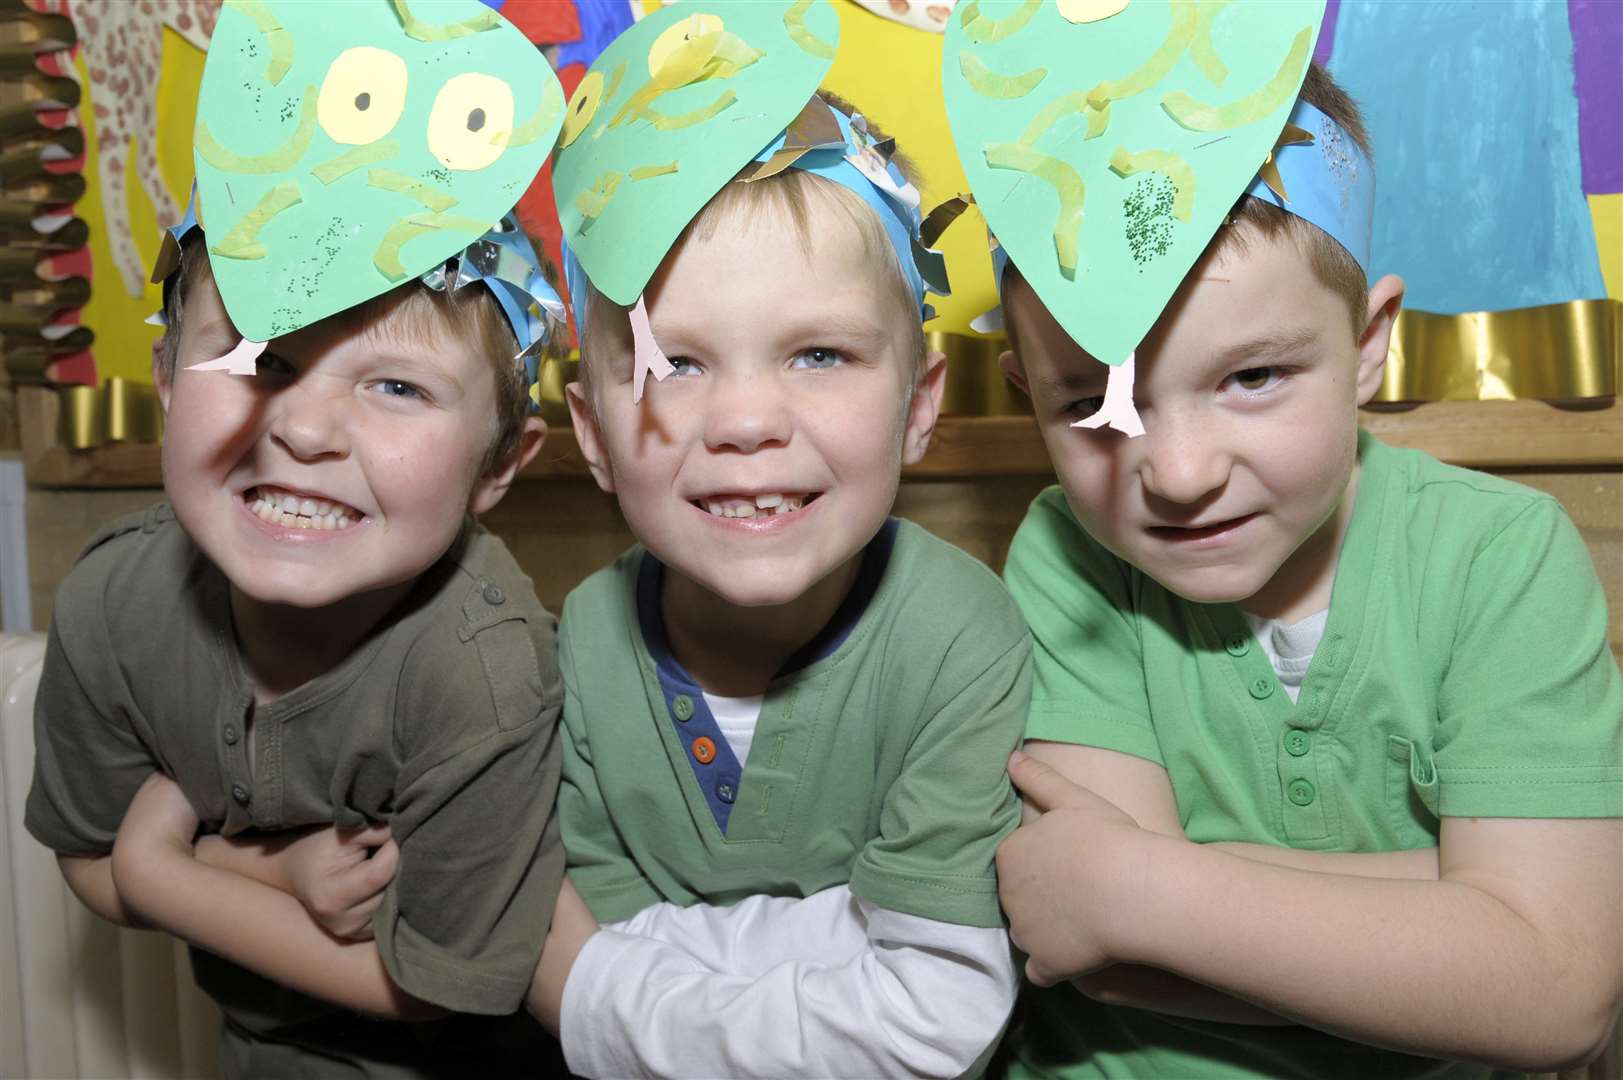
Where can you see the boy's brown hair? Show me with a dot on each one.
(1335, 268)
(461, 315)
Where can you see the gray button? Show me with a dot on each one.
(240, 793)
(726, 792)
(1300, 792)
(230, 734)
(1297, 742)
(494, 595)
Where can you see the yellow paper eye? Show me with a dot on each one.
(1086, 11)
(471, 121)
(362, 96)
(676, 35)
(582, 107)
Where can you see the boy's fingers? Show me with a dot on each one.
(378, 871)
(1042, 784)
(370, 837)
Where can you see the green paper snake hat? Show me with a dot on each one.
(1106, 142)
(343, 149)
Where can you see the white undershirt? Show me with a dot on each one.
(1289, 646)
(736, 716)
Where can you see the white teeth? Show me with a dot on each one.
(766, 502)
(768, 505)
(307, 507)
(294, 512)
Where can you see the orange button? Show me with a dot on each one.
(704, 750)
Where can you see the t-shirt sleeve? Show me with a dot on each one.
(1530, 709)
(1088, 660)
(600, 868)
(481, 857)
(951, 803)
(88, 759)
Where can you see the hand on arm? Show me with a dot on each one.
(249, 923)
(1509, 959)
(338, 874)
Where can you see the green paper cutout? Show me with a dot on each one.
(304, 221)
(1106, 247)
(721, 95)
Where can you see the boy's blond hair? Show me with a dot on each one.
(462, 316)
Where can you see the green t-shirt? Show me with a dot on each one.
(878, 757)
(1464, 671)
(442, 724)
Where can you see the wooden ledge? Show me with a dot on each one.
(1476, 434)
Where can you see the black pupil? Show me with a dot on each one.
(476, 120)
(363, 101)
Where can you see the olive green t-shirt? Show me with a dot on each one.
(877, 761)
(1464, 671)
(441, 723)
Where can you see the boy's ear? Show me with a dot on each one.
(162, 377)
(1385, 301)
(925, 407)
(1013, 370)
(589, 436)
(494, 484)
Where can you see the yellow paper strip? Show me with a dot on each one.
(648, 172)
(1202, 53)
(594, 200)
(1065, 182)
(277, 39)
(411, 187)
(988, 83)
(282, 158)
(387, 257)
(794, 21)
(978, 28)
(359, 157)
(1197, 116)
(540, 120)
(615, 76)
(1160, 62)
(1124, 164)
(664, 122)
(418, 30)
(242, 241)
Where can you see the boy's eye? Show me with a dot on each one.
(683, 365)
(1254, 380)
(816, 359)
(269, 363)
(1082, 408)
(398, 388)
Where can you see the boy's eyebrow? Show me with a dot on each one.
(1072, 382)
(1263, 348)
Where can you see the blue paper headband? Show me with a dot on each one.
(1328, 182)
(856, 162)
(504, 260)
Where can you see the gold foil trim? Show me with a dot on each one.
(1557, 352)
(975, 386)
(117, 411)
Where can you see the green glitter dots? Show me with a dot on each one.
(1147, 211)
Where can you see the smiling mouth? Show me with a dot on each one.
(289, 510)
(770, 504)
(1188, 534)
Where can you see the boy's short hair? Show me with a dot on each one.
(1335, 268)
(468, 315)
(793, 192)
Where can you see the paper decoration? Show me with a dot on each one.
(400, 132)
(701, 86)
(647, 357)
(1117, 410)
(1105, 152)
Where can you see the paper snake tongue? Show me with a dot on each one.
(239, 361)
(646, 357)
(1118, 410)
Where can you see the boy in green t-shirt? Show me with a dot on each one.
(786, 713)
(1325, 771)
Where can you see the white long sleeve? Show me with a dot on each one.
(825, 986)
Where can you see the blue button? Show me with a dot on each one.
(682, 707)
(726, 792)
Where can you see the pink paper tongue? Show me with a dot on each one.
(239, 361)
(1117, 411)
(646, 357)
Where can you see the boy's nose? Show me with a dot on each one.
(747, 414)
(1182, 461)
(311, 424)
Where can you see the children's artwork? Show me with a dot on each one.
(400, 139)
(1106, 142)
(668, 114)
